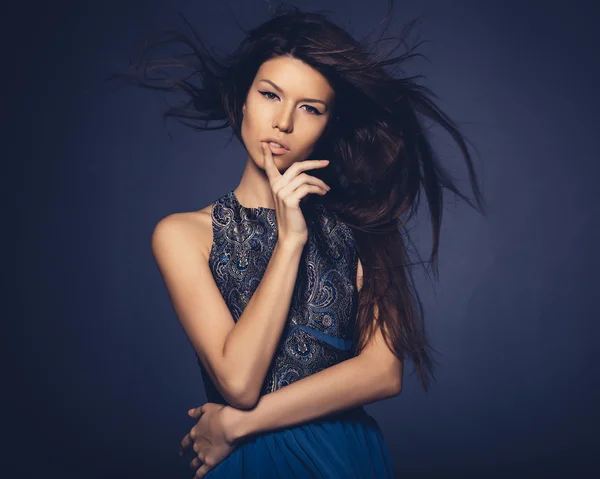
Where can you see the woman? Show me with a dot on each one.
(295, 289)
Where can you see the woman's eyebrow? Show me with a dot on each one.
(313, 100)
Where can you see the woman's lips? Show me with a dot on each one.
(276, 150)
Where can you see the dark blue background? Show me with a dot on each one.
(101, 372)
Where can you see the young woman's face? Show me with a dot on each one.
(288, 101)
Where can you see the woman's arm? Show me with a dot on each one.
(375, 374)
(236, 355)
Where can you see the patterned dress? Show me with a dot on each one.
(318, 334)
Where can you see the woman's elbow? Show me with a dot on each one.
(242, 403)
(394, 386)
(242, 397)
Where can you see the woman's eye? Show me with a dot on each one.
(267, 93)
(272, 96)
(313, 110)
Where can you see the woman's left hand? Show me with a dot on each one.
(210, 438)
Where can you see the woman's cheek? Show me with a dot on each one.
(247, 132)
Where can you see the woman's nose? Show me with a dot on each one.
(284, 119)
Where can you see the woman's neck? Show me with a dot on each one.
(254, 190)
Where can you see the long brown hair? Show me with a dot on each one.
(380, 154)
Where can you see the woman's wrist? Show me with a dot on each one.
(235, 422)
(290, 246)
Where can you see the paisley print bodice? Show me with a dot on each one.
(320, 324)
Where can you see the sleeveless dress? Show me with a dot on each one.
(318, 334)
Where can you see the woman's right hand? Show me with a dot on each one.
(288, 190)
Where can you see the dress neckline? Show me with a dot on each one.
(248, 208)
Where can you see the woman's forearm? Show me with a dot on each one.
(251, 344)
(355, 382)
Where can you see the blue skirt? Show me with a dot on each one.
(346, 445)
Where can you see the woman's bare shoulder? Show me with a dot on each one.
(196, 224)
